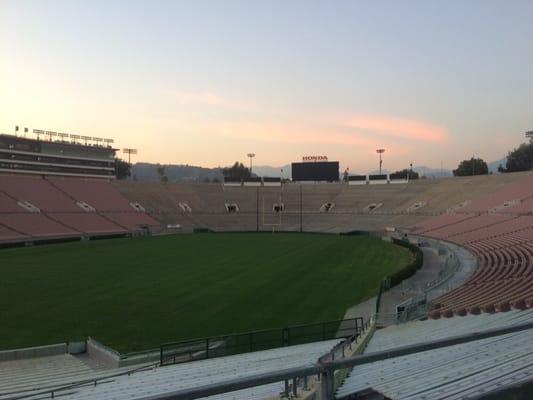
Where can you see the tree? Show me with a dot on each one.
(161, 172)
(122, 169)
(404, 174)
(474, 166)
(237, 172)
(520, 159)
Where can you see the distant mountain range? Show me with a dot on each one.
(175, 173)
(190, 173)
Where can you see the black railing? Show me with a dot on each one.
(225, 345)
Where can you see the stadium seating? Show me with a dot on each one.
(25, 377)
(35, 208)
(7, 235)
(97, 193)
(351, 210)
(37, 191)
(454, 372)
(36, 225)
(162, 380)
(502, 240)
(88, 223)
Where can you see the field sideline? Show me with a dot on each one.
(133, 294)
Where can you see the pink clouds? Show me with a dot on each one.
(396, 127)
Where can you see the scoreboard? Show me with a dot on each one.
(315, 171)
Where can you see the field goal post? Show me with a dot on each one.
(277, 224)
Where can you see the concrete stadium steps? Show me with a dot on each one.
(38, 192)
(190, 375)
(454, 372)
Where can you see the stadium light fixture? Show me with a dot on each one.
(250, 156)
(129, 152)
(380, 152)
(50, 134)
(38, 132)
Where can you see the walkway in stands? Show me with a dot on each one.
(433, 279)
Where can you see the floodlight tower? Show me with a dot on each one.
(529, 135)
(250, 156)
(380, 152)
(129, 152)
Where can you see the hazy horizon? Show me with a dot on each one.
(205, 83)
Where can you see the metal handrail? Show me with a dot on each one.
(216, 346)
(327, 369)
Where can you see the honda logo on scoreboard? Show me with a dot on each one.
(314, 158)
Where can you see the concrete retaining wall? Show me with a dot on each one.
(34, 352)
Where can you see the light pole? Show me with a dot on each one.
(380, 152)
(129, 152)
(251, 156)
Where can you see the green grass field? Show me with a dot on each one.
(134, 294)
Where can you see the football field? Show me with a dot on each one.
(133, 294)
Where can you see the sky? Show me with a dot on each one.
(206, 82)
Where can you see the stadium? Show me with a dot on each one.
(266, 200)
(316, 288)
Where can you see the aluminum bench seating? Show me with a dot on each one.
(162, 380)
(454, 372)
